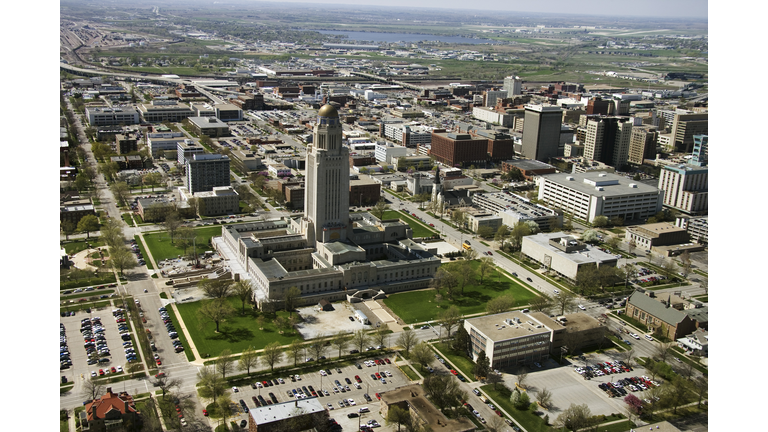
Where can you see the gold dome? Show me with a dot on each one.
(328, 111)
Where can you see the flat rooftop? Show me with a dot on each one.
(282, 411)
(498, 328)
(590, 254)
(589, 182)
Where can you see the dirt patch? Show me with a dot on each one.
(318, 323)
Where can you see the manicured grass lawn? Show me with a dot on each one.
(102, 279)
(527, 419)
(464, 364)
(702, 298)
(161, 248)
(127, 218)
(408, 371)
(236, 333)
(144, 253)
(419, 229)
(74, 246)
(420, 306)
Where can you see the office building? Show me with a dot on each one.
(384, 152)
(185, 150)
(126, 143)
(513, 208)
(686, 188)
(563, 254)
(591, 194)
(159, 111)
(700, 156)
(685, 127)
(642, 144)
(222, 200)
(607, 140)
(206, 171)
(490, 97)
(210, 126)
(697, 227)
(513, 85)
(296, 415)
(541, 132)
(597, 105)
(104, 116)
(228, 112)
(656, 234)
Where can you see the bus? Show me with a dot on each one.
(466, 246)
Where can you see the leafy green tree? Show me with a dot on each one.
(248, 359)
(422, 354)
(485, 232)
(482, 365)
(501, 235)
(379, 209)
(210, 384)
(214, 311)
(68, 227)
(121, 259)
(225, 363)
(520, 230)
(600, 221)
(296, 349)
(590, 236)
(273, 354)
(500, 304)
(398, 416)
(88, 224)
(243, 290)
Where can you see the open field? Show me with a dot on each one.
(160, 246)
(421, 306)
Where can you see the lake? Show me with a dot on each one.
(353, 36)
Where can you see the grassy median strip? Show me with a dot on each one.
(409, 372)
(144, 253)
(525, 418)
(464, 364)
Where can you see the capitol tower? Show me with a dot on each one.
(326, 201)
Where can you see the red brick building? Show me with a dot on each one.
(109, 411)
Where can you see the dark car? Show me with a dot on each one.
(243, 423)
(529, 279)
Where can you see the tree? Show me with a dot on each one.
(166, 384)
(340, 341)
(295, 349)
(522, 375)
(541, 303)
(704, 284)
(211, 385)
(248, 359)
(591, 236)
(482, 365)
(360, 340)
(544, 397)
(216, 288)
(496, 424)
(225, 363)
(486, 232)
(628, 354)
(406, 340)
(501, 234)
(68, 227)
(565, 301)
(449, 319)
(600, 221)
(380, 334)
(500, 304)
(521, 400)
(520, 230)
(678, 393)
(663, 350)
(172, 223)
(185, 237)
(215, 311)
(613, 242)
(121, 259)
(121, 191)
(153, 179)
(243, 290)
(700, 387)
(281, 323)
(443, 390)
(422, 354)
(630, 272)
(273, 354)
(575, 417)
(494, 378)
(685, 260)
(88, 224)
(317, 348)
(260, 321)
(464, 271)
(397, 415)
(92, 389)
(291, 299)
(485, 268)
(634, 404)
(379, 209)
(445, 279)
(631, 245)
(669, 268)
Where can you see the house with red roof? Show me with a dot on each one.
(113, 410)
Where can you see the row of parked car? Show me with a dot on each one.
(601, 369)
(125, 335)
(137, 251)
(618, 388)
(64, 356)
(177, 345)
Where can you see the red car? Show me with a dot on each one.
(159, 362)
(413, 214)
(432, 225)
(357, 378)
(160, 375)
(101, 371)
(378, 396)
(454, 372)
(387, 360)
(205, 412)
(113, 369)
(378, 376)
(490, 253)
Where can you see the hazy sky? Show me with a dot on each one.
(654, 8)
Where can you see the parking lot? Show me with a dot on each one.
(75, 343)
(567, 385)
(321, 384)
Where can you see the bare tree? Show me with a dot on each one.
(663, 350)
(216, 288)
(340, 341)
(92, 389)
(360, 339)
(166, 384)
(225, 363)
(248, 359)
(273, 354)
(449, 319)
(291, 299)
(380, 335)
(422, 354)
(295, 349)
(485, 268)
(243, 290)
(544, 397)
(172, 223)
(628, 356)
(496, 424)
(317, 348)
(215, 311)
(494, 378)
(407, 340)
(565, 301)
(500, 304)
(522, 374)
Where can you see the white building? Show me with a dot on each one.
(490, 116)
(386, 151)
(105, 116)
(592, 194)
(564, 254)
(686, 188)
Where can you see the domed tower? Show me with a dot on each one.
(326, 199)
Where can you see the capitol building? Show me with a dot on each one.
(327, 253)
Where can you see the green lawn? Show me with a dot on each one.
(74, 246)
(526, 418)
(160, 246)
(187, 350)
(419, 229)
(103, 278)
(420, 306)
(409, 372)
(236, 333)
(464, 364)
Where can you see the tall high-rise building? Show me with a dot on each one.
(206, 171)
(642, 144)
(607, 140)
(700, 150)
(513, 85)
(326, 200)
(597, 105)
(541, 132)
(685, 126)
(686, 188)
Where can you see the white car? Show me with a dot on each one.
(649, 337)
(351, 402)
(235, 389)
(582, 307)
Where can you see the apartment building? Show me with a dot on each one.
(206, 171)
(685, 188)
